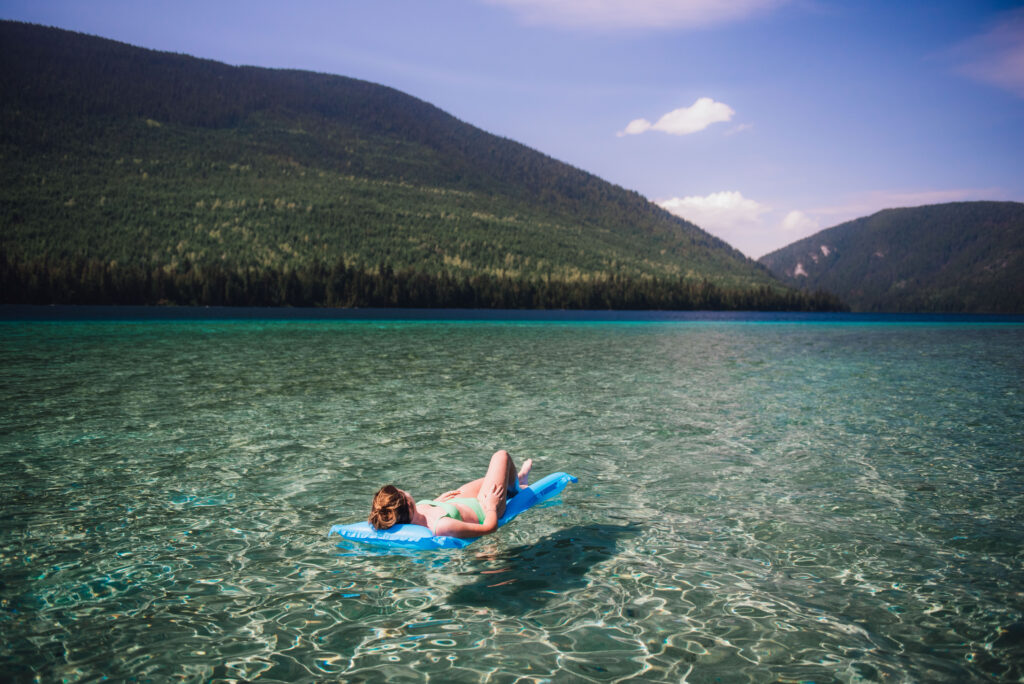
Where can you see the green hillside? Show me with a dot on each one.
(134, 176)
(961, 257)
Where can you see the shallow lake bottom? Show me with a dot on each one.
(784, 501)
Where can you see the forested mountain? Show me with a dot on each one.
(134, 176)
(959, 257)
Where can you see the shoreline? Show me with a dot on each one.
(32, 313)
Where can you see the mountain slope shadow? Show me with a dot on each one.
(531, 575)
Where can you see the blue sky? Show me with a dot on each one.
(762, 121)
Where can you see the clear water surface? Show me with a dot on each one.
(826, 500)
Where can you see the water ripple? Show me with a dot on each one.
(829, 503)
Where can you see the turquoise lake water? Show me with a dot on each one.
(827, 500)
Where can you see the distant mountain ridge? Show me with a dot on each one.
(206, 183)
(957, 257)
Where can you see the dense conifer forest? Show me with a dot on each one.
(957, 257)
(133, 176)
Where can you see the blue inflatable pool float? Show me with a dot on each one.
(419, 537)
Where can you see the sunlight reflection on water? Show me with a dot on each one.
(756, 502)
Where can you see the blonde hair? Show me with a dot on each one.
(389, 508)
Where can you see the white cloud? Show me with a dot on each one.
(727, 215)
(684, 120)
(633, 14)
(997, 56)
(635, 127)
(798, 221)
(718, 212)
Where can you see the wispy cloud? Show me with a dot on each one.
(867, 203)
(633, 14)
(740, 129)
(798, 224)
(797, 221)
(684, 120)
(756, 228)
(996, 57)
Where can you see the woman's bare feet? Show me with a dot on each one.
(524, 473)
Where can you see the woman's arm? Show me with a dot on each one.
(471, 489)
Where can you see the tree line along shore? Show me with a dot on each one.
(90, 281)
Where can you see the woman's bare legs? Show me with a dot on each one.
(513, 481)
(524, 473)
(502, 470)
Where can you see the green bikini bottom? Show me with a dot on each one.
(451, 511)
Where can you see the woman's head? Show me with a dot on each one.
(390, 507)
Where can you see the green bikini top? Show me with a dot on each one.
(452, 511)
